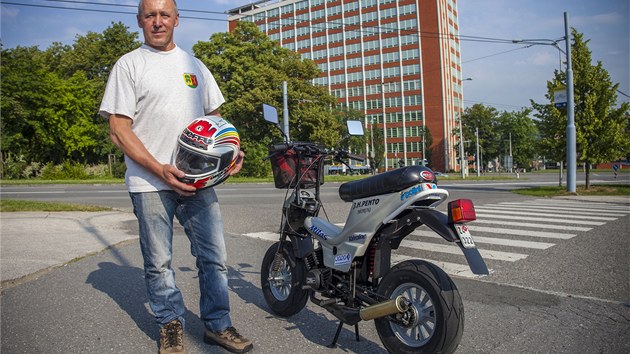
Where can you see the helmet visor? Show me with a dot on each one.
(194, 163)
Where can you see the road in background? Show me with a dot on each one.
(561, 286)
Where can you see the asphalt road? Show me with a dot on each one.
(572, 296)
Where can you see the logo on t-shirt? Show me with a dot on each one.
(191, 80)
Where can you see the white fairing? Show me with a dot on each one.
(365, 218)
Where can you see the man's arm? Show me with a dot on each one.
(126, 140)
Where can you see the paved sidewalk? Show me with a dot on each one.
(36, 241)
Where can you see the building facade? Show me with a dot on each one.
(398, 61)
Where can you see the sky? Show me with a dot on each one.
(505, 76)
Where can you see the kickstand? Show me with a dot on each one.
(356, 332)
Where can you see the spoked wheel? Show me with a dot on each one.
(281, 278)
(434, 322)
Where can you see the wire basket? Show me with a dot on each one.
(285, 165)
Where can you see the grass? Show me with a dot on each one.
(554, 191)
(35, 181)
(9, 205)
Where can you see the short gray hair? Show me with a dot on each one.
(142, 1)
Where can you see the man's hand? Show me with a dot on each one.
(169, 175)
(238, 164)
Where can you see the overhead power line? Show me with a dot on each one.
(132, 6)
(314, 24)
(103, 10)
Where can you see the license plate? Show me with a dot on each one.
(464, 236)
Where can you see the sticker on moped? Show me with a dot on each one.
(428, 186)
(343, 259)
(464, 236)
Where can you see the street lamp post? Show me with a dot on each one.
(477, 157)
(461, 139)
(461, 148)
(511, 157)
(570, 131)
(571, 139)
(372, 154)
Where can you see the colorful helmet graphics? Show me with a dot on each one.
(207, 151)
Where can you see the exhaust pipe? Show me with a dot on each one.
(382, 309)
(352, 315)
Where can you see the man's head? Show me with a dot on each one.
(158, 19)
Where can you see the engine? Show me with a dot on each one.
(319, 279)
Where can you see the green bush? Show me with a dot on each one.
(16, 167)
(253, 165)
(119, 169)
(67, 170)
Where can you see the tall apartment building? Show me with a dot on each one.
(398, 61)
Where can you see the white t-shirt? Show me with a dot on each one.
(162, 92)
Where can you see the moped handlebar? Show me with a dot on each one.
(356, 157)
(311, 149)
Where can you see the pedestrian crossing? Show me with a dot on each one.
(519, 229)
(505, 232)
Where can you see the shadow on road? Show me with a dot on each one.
(126, 286)
(315, 327)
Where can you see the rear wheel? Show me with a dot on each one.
(281, 278)
(434, 322)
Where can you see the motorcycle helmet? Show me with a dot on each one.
(207, 151)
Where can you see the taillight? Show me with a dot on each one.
(461, 210)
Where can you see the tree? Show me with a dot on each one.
(522, 133)
(250, 69)
(428, 141)
(96, 53)
(601, 124)
(23, 71)
(376, 138)
(485, 121)
(50, 99)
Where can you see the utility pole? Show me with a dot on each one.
(463, 164)
(285, 110)
(571, 140)
(461, 148)
(511, 158)
(477, 158)
(570, 131)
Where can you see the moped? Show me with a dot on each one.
(348, 269)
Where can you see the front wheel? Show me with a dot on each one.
(434, 322)
(281, 279)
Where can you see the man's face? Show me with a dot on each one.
(158, 19)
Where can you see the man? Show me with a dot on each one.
(152, 94)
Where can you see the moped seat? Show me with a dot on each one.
(384, 183)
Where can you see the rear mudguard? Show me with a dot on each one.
(438, 222)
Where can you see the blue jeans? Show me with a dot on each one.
(201, 218)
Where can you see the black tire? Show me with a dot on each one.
(434, 322)
(283, 289)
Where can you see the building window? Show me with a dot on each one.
(414, 100)
(273, 12)
(368, 3)
(374, 118)
(301, 5)
(350, 6)
(413, 116)
(394, 117)
(395, 148)
(411, 69)
(412, 85)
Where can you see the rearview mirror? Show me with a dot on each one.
(355, 127)
(270, 113)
